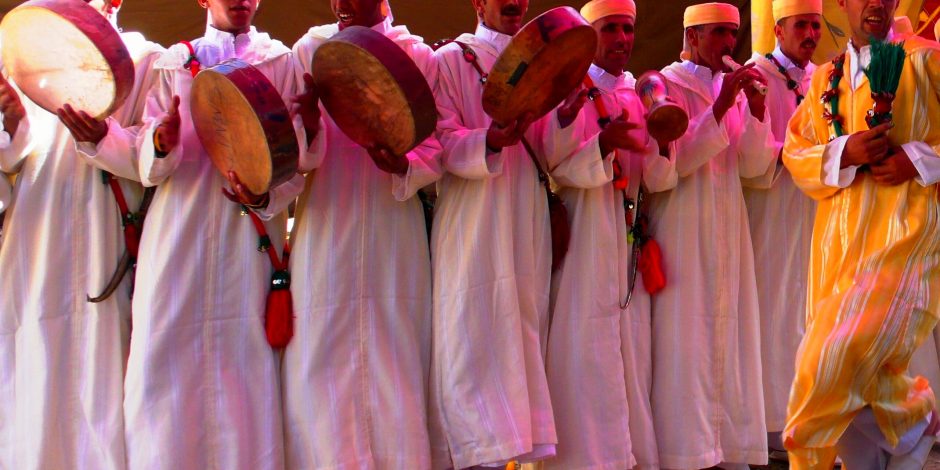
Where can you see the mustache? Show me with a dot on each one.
(511, 10)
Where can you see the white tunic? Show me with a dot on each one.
(491, 255)
(781, 219)
(707, 395)
(355, 372)
(599, 355)
(62, 358)
(202, 382)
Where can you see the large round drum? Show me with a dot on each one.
(374, 91)
(244, 125)
(545, 61)
(65, 52)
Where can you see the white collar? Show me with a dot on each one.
(795, 71)
(701, 72)
(497, 40)
(383, 26)
(606, 81)
(231, 45)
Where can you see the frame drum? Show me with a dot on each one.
(374, 91)
(244, 125)
(64, 52)
(545, 61)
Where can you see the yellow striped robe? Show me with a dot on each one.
(874, 270)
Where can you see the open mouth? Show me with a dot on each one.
(240, 9)
(875, 22)
(511, 12)
(345, 17)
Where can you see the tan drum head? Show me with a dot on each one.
(244, 125)
(374, 91)
(545, 61)
(64, 52)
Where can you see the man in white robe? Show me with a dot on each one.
(599, 348)
(707, 396)
(355, 373)
(781, 216)
(491, 260)
(6, 192)
(202, 387)
(62, 359)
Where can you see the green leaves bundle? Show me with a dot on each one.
(884, 74)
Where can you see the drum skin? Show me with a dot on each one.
(666, 121)
(545, 61)
(244, 125)
(374, 91)
(65, 52)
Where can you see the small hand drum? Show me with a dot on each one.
(374, 91)
(543, 64)
(666, 121)
(64, 52)
(244, 125)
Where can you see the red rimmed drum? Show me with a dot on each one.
(64, 52)
(374, 91)
(244, 125)
(545, 61)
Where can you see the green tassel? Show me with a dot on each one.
(887, 63)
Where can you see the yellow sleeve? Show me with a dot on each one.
(802, 151)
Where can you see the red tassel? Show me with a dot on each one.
(650, 265)
(132, 239)
(279, 313)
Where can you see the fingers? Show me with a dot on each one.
(174, 114)
(880, 129)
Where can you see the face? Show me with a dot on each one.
(107, 8)
(869, 18)
(710, 42)
(798, 36)
(615, 42)
(367, 13)
(232, 16)
(504, 16)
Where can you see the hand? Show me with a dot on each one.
(572, 106)
(83, 127)
(11, 107)
(167, 135)
(756, 101)
(730, 87)
(866, 147)
(617, 135)
(242, 193)
(387, 162)
(894, 169)
(498, 137)
(307, 105)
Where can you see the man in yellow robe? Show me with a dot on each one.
(875, 263)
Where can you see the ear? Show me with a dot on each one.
(203, 3)
(691, 36)
(478, 6)
(778, 30)
(842, 4)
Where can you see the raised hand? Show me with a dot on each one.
(894, 169)
(307, 106)
(11, 107)
(572, 106)
(83, 127)
(756, 101)
(866, 147)
(498, 136)
(167, 135)
(617, 135)
(387, 162)
(730, 87)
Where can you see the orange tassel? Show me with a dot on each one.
(650, 265)
(279, 313)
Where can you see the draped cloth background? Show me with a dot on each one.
(659, 29)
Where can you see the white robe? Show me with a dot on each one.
(355, 372)
(781, 220)
(491, 258)
(202, 388)
(6, 193)
(707, 396)
(599, 356)
(62, 358)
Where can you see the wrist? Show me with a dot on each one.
(159, 150)
(261, 203)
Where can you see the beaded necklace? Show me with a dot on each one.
(831, 96)
(792, 85)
